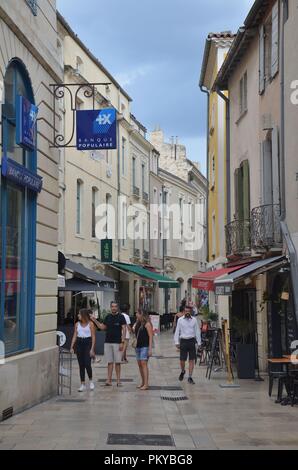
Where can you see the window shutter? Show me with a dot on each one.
(246, 190)
(275, 166)
(275, 40)
(236, 188)
(262, 59)
(267, 173)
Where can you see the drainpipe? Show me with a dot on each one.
(228, 152)
(284, 225)
(206, 91)
(118, 170)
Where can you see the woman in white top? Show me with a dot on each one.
(84, 339)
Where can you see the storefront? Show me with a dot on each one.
(142, 286)
(252, 309)
(18, 215)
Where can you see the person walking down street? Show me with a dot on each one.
(84, 341)
(125, 312)
(187, 335)
(115, 327)
(144, 333)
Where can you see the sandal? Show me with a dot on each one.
(108, 385)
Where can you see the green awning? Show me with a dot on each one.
(163, 282)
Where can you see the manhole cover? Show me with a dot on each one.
(140, 440)
(66, 400)
(174, 398)
(166, 388)
(125, 381)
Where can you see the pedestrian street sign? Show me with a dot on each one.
(107, 251)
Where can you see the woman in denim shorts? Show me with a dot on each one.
(144, 333)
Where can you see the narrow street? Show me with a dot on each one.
(211, 418)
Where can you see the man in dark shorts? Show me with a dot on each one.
(187, 335)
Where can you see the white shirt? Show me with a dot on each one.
(128, 322)
(187, 328)
(84, 331)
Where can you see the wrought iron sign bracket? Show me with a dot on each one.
(72, 90)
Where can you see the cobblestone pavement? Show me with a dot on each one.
(211, 418)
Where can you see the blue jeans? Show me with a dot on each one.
(142, 354)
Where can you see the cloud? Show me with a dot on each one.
(129, 77)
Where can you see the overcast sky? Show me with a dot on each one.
(154, 48)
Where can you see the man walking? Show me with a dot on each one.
(187, 335)
(115, 327)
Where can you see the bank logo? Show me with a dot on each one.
(103, 122)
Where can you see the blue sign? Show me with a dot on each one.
(21, 175)
(97, 129)
(26, 123)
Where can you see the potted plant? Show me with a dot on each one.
(245, 351)
(209, 316)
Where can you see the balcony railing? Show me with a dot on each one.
(146, 256)
(137, 253)
(238, 239)
(145, 197)
(265, 227)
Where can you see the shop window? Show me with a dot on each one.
(17, 227)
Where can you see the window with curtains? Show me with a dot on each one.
(17, 227)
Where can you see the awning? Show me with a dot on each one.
(81, 270)
(206, 281)
(80, 285)
(163, 282)
(225, 283)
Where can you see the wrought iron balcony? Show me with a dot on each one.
(145, 197)
(137, 253)
(265, 227)
(146, 256)
(238, 239)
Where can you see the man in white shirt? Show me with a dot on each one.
(187, 335)
(125, 312)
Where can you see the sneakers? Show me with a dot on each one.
(82, 388)
(190, 381)
(92, 386)
(181, 377)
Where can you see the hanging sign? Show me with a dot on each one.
(97, 129)
(26, 116)
(20, 175)
(107, 251)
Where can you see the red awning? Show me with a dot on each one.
(205, 281)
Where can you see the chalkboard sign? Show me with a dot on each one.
(217, 352)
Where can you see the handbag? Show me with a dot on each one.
(134, 341)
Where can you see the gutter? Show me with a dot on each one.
(206, 91)
(283, 222)
(228, 151)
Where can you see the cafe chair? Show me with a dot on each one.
(282, 378)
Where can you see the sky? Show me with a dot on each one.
(154, 48)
